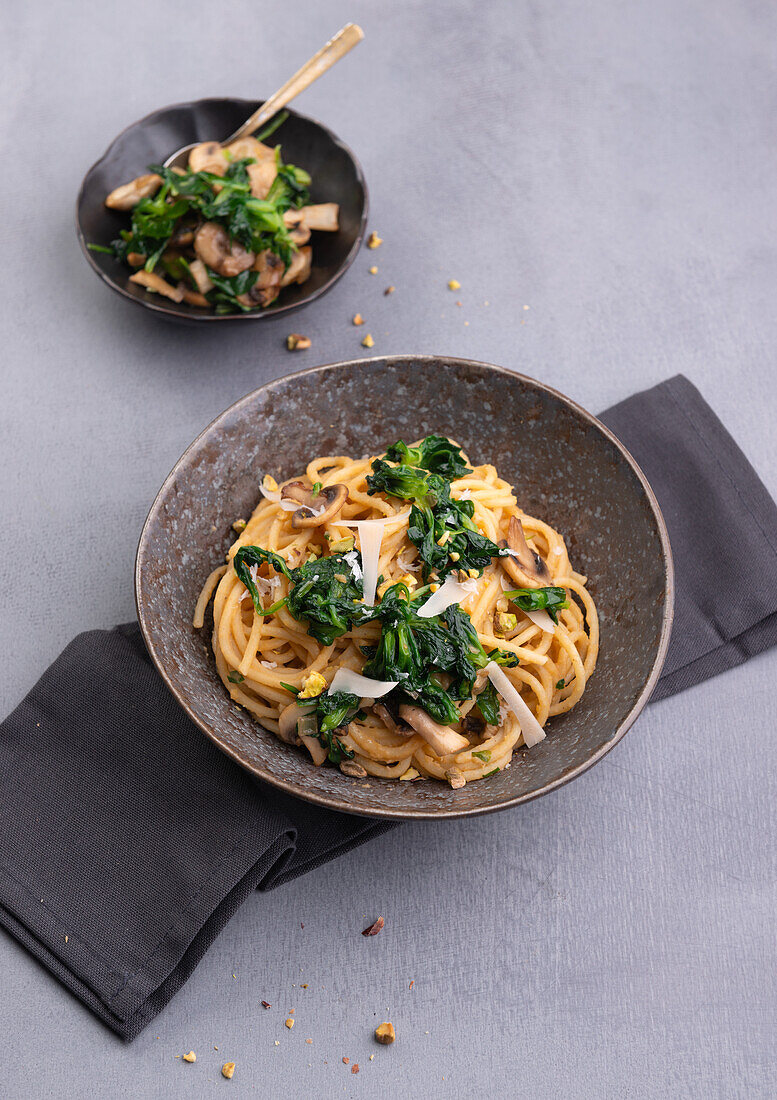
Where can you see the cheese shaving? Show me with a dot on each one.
(346, 679)
(370, 539)
(450, 592)
(541, 619)
(532, 731)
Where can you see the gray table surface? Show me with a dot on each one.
(609, 166)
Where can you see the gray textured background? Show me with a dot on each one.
(613, 167)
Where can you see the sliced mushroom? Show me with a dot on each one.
(353, 768)
(157, 285)
(288, 719)
(316, 750)
(183, 236)
(524, 566)
(261, 176)
(299, 268)
(129, 194)
(250, 147)
(214, 248)
(135, 259)
(270, 268)
(389, 722)
(298, 231)
(325, 216)
(259, 296)
(332, 499)
(193, 297)
(200, 275)
(474, 724)
(441, 739)
(208, 157)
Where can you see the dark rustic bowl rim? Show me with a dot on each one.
(415, 814)
(172, 309)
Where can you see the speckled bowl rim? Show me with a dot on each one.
(170, 309)
(413, 814)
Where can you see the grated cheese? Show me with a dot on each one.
(541, 619)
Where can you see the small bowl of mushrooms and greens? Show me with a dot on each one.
(249, 229)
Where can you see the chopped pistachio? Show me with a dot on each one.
(373, 270)
(385, 1033)
(312, 685)
(228, 1070)
(411, 773)
(368, 341)
(374, 241)
(358, 319)
(454, 284)
(297, 342)
(190, 1057)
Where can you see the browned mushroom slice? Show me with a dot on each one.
(157, 285)
(288, 719)
(183, 236)
(325, 216)
(299, 268)
(200, 275)
(250, 147)
(225, 257)
(270, 268)
(298, 231)
(261, 176)
(129, 194)
(259, 296)
(193, 297)
(524, 566)
(208, 157)
(315, 510)
(440, 739)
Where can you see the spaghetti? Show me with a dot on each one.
(538, 661)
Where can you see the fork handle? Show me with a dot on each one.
(337, 47)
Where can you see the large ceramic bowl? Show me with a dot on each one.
(337, 177)
(567, 469)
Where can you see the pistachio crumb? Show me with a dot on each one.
(385, 1034)
(358, 319)
(297, 342)
(190, 1057)
(228, 1069)
(368, 341)
(455, 777)
(410, 774)
(454, 284)
(373, 270)
(289, 1022)
(371, 1057)
(374, 240)
(389, 290)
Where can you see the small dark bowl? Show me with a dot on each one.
(337, 177)
(567, 468)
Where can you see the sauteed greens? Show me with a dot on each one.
(228, 233)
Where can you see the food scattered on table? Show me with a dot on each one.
(296, 342)
(385, 1034)
(373, 270)
(368, 341)
(374, 928)
(228, 1070)
(190, 1057)
(374, 241)
(389, 290)
(358, 319)
(289, 1022)
(454, 284)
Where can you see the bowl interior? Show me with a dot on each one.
(337, 177)
(567, 469)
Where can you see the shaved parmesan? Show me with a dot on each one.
(363, 686)
(532, 731)
(289, 505)
(370, 539)
(398, 517)
(271, 494)
(450, 592)
(465, 494)
(541, 619)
